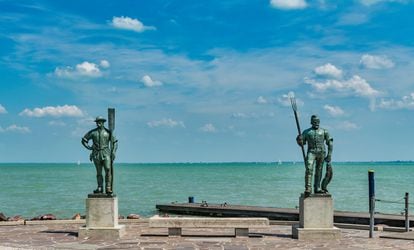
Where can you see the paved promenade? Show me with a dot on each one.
(55, 235)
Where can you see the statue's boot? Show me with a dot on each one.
(99, 190)
(308, 181)
(108, 190)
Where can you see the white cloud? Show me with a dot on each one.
(16, 129)
(328, 70)
(353, 18)
(58, 111)
(3, 109)
(406, 102)
(376, 62)
(288, 4)
(356, 85)
(85, 69)
(149, 82)
(166, 122)
(88, 69)
(208, 128)
(128, 23)
(284, 100)
(105, 64)
(241, 115)
(347, 125)
(334, 110)
(261, 100)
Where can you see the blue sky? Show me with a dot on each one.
(206, 81)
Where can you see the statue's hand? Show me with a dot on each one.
(328, 158)
(299, 140)
(113, 157)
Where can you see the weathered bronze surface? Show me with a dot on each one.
(104, 146)
(316, 138)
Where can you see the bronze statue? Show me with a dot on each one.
(315, 137)
(104, 146)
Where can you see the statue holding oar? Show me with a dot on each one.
(104, 146)
(315, 137)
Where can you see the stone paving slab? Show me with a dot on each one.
(404, 236)
(64, 236)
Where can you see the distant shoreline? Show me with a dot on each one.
(207, 163)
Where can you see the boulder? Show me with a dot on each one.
(121, 217)
(15, 218)
(133, 216)
(45, 217)
(3, 217)
(76, 216)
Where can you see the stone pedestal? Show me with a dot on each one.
(101, 219)
(315, 218)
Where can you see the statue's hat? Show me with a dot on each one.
(100, 118)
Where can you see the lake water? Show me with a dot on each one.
(33, 189)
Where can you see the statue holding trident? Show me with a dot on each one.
(314, 137)
(104, 146)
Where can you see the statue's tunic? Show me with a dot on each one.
(101, 139)
(101, 152)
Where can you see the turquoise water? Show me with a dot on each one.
(33, 189)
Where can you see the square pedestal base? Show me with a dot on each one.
(316, 219)
(101, 219)
(333, 233)
(104, 233)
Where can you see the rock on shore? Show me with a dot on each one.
(133, 216)
(45, 217)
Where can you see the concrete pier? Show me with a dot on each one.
(274, 213)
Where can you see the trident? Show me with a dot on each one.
(295, 108)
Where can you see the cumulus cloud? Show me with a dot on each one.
(128, 23)
(288, 4)
(406, 102)
(376, 62)
(356, 85)
(166, 122)
(208, 128)
(334, 110)
(347, 125)
(88, 69)
(261, 100)
(149, 82)
(2, 110)
(58, 111)
(328, 70)
(15, 129)
(84, 69)
(104, 64)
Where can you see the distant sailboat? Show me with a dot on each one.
(279, 162)
(78, 163)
